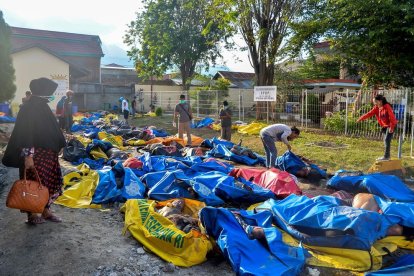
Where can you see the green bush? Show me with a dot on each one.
(336, 123)
(158, 111)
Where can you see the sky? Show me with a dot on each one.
(108, 19)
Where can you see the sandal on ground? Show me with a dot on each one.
(53, 218)
(34, 220)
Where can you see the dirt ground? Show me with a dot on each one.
(88, 242)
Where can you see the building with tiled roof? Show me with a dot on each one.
(67, 58)
(240, 80)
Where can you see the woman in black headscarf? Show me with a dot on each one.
(35, 142)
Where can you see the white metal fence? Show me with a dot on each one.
(336, 111)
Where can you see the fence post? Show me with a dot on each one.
(241, 100)
(405, 105)
(217, 104)
(346, 112)
(240, 105)
(412, 140)
(306, 109)
(303, 105)
(198, 104)
(267, 112)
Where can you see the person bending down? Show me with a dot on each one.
(276, 133)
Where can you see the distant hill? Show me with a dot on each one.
(115, 54)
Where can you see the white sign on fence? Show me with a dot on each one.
(265, 93)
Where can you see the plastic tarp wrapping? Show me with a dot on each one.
(224, 187)
(291, 163)
(115, 141)
(211, 143)
(386, 186)
(221, 151)
(403, 266)
(172, 184)
(161, 236)
(251, 257)
(195, 140)
(203, 123)
(82, 187)
(163, 163)
(118, 185)
(322, 221)
(252, 129)
(212, 165)
(280, 183)
(401, 213)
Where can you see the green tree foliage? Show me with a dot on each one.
(264, 26)
(325, 67)
(7, 86)
(171, 33)
(377, 36)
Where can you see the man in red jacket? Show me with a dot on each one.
(386, 118)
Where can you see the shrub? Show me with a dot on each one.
(158, 111)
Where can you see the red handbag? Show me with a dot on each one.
(28, 195)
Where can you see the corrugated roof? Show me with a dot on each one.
(61, 43)
(237, 79)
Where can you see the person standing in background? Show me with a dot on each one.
(60, 112)
(225, 117)
(125, 109)
(134, 106)
(183, 112)
(67, 111)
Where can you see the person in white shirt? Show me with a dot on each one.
(276, 133)
(125, 109)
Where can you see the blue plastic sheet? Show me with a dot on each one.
(212, 165)
(159, 132)
(93, 164)
(221, 151)
(104, 146)
(403, 266)
(251, 257)
(386, 186)
(7, 119)
(401, 213)
(322, 221)
(210, 143)
(291, 163)
(171, 185)
(108, 190)
(203, 123)
(224, 187)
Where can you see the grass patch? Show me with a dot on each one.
(359, 154)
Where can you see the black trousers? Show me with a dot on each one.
(387, 142)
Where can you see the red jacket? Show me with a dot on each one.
(385, 116)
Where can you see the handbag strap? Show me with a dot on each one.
(188, 114)
(36, 174)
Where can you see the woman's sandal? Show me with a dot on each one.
(34, 220)
(53, 218)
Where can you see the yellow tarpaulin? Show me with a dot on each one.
(116, 141)
(252, 129)
(85, 141)
(82, 187)
(138, 142)
(162, 237)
